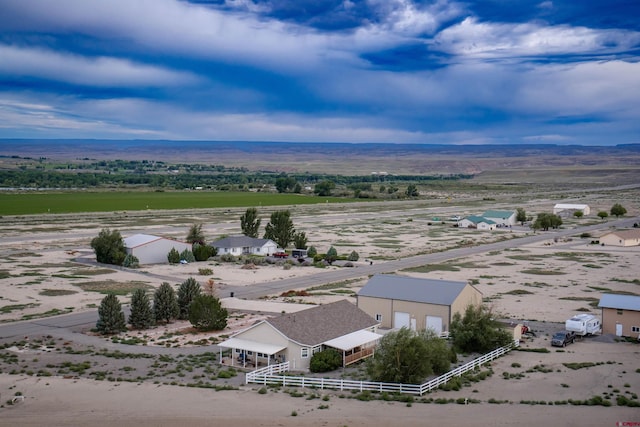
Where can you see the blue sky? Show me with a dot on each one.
(483, 72)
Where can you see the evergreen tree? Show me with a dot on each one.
(195, 234)
(353, 256)
(142, 316)
(300, 240)
(131, 261)
(174, 256)
(280, 228)
(412, 191)
(312, 251)
(188, 290)
(521, 216)
(207, 314)
(109, 247)
(250, 223)
(110, 316)
(332, 255)
(165, 304)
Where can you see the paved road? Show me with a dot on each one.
(63, 326)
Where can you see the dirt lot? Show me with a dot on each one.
(542, 282)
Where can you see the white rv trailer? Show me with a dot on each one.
(584, 324)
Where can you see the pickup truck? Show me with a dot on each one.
(562, 338)
(280, 254)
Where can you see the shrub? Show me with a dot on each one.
(353, 256)
(131, 261)
(187, 255)
(325, 361)
(202, 252)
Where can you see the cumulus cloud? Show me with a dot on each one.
(473, 39)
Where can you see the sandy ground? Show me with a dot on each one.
(71, 402)
(545, 282)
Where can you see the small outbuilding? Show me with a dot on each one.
(568, 209)
(296, 337)
(415, 303)
(151, 249)
(630, 237)
(620, 315)
(245, 245)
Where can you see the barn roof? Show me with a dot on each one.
(497, 214)
(570, 206)
(139, 240)
(623, 302)
(429, 291)
(239, 242)
(322, 323)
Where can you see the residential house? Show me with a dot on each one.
(245, 245)
(630, 237)
(295, 337)
(477, 222)
(567, 209)
(620, 315)
(501, 218)
(151, 249)
(416, 303)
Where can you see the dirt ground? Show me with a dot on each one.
(542, 283)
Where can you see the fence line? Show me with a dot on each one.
(269, 375)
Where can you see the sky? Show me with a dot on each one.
(387, 71)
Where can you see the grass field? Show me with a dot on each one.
(76, 202)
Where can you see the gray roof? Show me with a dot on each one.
(322, 323)
(403, 288)
(239, 242)
(623, 302)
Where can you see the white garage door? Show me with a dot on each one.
(401, 319)
(435, 323)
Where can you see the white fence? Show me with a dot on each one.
(269, 375)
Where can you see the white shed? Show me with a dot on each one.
(152, 249)
(567, 209)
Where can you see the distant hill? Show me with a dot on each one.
(345, 158)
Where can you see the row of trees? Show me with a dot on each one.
(204, 311)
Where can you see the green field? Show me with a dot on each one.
(75, 202)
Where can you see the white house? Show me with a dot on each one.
(152, 249)
(630, 237)
(504, 218)
(477, 222)
(295, 337)
(245, 245)
(567, 209)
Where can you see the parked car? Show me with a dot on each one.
(562, 338)
(280, 254)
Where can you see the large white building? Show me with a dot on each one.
(567, 209)
(152, 249)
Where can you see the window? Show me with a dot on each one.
(378, 317)
(316, 349)
(304, 352)
(619, 311)
(635, 329)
